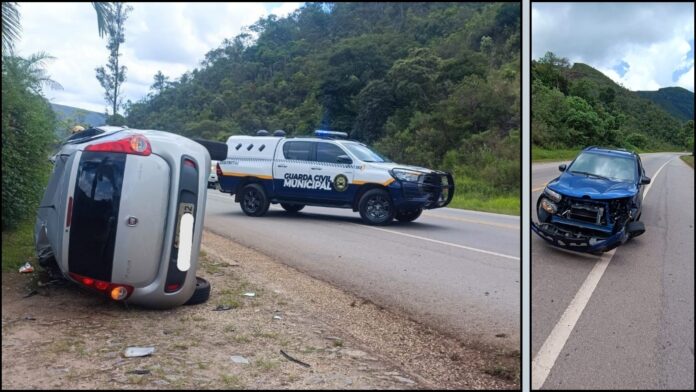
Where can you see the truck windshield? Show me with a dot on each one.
(605, 166)
(364, 153)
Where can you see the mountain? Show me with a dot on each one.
(78, 116)
(574, 106)
(676, 100)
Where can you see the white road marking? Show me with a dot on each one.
(548, 353)
(443, 243)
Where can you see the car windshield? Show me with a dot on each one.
(364, 153)
(605, 166)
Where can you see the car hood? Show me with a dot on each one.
(392, 165)
(595, 188)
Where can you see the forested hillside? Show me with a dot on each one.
(577, 106)
(432, 84)
(676, 100)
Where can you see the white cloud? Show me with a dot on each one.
(687, 79)
(171, 37)
(652, 38)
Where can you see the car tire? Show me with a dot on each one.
(376, 207)
(201, 293)
(253, 200)
(292, 208)
(408, 215)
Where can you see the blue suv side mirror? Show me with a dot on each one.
(562, 167)
(644, 180)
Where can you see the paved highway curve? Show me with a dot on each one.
(455, 270)
(631, 312)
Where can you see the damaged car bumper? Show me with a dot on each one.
(577, 241)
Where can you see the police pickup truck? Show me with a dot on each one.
(329, 171)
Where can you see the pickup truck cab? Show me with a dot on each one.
(327, 170)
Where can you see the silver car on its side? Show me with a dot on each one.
(123, 215)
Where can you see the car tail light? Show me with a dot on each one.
(134, 144)
(218, 170)
(116, 291)
(68, 218)
(188, 162)
(170, 288)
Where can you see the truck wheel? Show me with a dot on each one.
(292, 208)
(201, 294)
(376, 207)
(408, 215)
(254, 201)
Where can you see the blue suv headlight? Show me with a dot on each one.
(555, 196)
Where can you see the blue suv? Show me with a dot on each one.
(595, 204)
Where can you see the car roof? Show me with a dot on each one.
(619, 152)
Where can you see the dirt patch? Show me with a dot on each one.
(64, 337)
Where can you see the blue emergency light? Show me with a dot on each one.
(330, 134)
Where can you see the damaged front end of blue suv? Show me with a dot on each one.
(595, 204)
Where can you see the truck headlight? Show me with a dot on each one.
(555, 196)
(405, 175)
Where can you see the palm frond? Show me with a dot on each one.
(10, 26)
(105, 15)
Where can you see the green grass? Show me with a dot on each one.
(470, 194)
(543, 155)
(689, 159)
(18, 246)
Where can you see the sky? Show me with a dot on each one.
(168, 37)
(643, 46)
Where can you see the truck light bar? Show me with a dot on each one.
(330, 134)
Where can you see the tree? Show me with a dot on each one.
(105, 16)
(10, 26)
(112, 78)
(161, 82)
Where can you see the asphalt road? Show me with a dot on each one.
(636, 331)
(455, 270)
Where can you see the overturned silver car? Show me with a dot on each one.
(123, 215)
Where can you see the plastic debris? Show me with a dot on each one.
(26, 268)
(138, 352)
(222, 307)
(138, 371)
(277, 317)
(249, 294)
(297, 361)
(239, 359)
(31, 293)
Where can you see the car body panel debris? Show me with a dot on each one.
(132, 352)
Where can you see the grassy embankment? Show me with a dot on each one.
(478, 196)
(18, 246)
(689, 159)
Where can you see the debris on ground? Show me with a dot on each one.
(221, 308)
(138, 371)
(31, 293)
(297, 361)
(249, 294)
(239, 359)
(26, 268)
(132, 352)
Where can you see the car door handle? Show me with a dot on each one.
(282, 165)
(316, 168)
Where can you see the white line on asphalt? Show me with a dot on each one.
(444, 243)
(548, 353)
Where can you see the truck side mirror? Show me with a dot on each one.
(562, 167)
(344, 159)
(645, 180)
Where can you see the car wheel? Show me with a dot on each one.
(292, 208)
(253, 200)
(376, 207)
(408, 215)
(201, 293)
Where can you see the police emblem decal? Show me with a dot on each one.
(340, 183)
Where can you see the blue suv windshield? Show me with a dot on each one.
(364, 153)
(610, 167)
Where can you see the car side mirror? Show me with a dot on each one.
(645, 180)
(344, 159)
(562, 167)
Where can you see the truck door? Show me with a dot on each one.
(291, 169)
(333, 164)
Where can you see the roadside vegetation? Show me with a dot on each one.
(429, 84)
(689, 159)
(576, 106)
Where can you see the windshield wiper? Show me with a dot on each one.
(590, 174)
